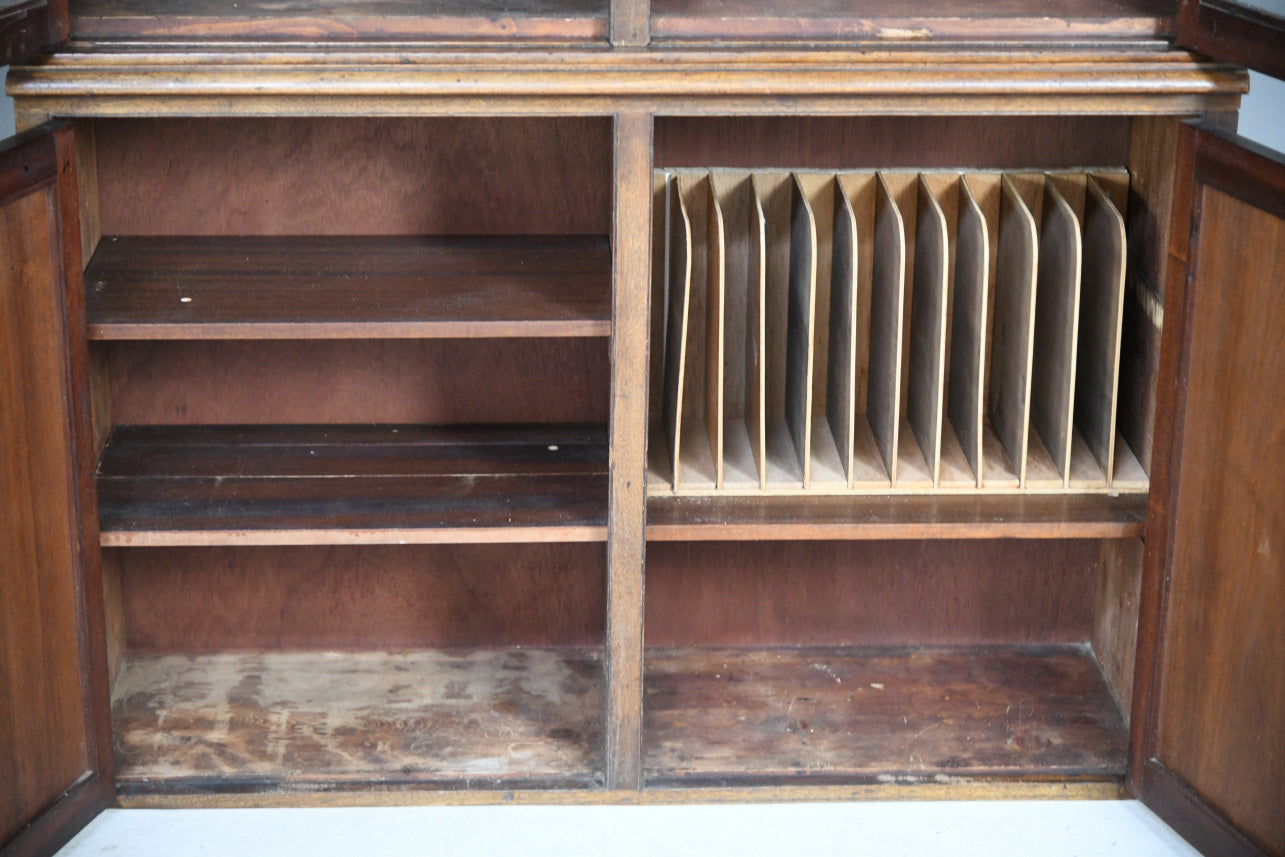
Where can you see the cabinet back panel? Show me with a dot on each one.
(354, 176)
(366, 597)
(365, 381)
(870, 593)
(886, 142)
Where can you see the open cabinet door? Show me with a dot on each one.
(28, 27)
(1209, 741)
(1249, 33)
(55, 759)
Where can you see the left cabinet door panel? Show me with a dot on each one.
(54, 734)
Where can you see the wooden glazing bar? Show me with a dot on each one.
(800, 349)
(630, 24)
(313, 287)
(887, 300)
(1009, 395)
(1057, 309)
(715, 327)
(678, 297)
(928, 314)
(969, 329)
(1101, 321)
(841, 374)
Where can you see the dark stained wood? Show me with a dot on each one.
(52, 702)
(348, 287)
(1190, 814)
(350, 598)
(1244, 33)
(343, 20)
(215, 484)
(254, 721)
(1115, 617)
(414, 176)
(28, 27)
(889, 21)
(626, 544)
(908, 715)
(442, 381)
(830, 593)
(1219, 717)
(907, 516)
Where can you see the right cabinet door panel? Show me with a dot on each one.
(1213, 760)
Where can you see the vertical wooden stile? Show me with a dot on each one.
(1101, 320)
(631, 253)
(679, 298)
(887, 300)
(1057, 312)
(756, 334)
(1014, 328)
(968, 329)
(799, 348)
(928, 312)
(841, 376)
(715, 294)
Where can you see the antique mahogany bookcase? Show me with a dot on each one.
(360, 361)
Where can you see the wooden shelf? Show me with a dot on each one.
(774, 716)
(307, 287)
(246, 722)
(712, 518)
(230, 485)
(888, 21)
(342, 20)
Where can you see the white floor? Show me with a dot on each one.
(958, 829)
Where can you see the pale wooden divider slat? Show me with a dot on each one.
(841, 387)
(756, 333)
(1057, 312)
(887, 301)
(1101, 321)
(731, 189)
(965, 405)
(715, 325)
(928, 313)
(1014, 328)
(800, 349)
(678, 291)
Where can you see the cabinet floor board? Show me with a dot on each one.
(723, 716)
(322, 720)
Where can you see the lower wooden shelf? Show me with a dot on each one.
(247, 722)
(259, 485)
(722, 717)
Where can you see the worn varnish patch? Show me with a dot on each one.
(245, 721)
(878, 715)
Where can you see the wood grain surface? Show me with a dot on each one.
(298, 287)
(254, 721)
(720, 716)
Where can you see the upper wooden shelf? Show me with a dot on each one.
(348, 287)
(924, 20)
(245, 485)
(342, 20)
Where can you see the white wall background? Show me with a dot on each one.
(1262, 114)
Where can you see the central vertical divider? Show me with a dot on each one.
(631, 287)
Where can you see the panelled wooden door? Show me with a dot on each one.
(1209, 756)
(54, 735)
(28, 27)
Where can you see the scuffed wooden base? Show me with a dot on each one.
(903, 716)
(246, 722)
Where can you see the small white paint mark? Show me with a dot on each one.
(876, 685)
(553, 447)
(185, 300)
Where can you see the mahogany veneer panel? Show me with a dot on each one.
(346, 287)
(437, 20)
(906, 517)
(889, 20)
(259, 721)
(906, 715)
(863, 593)
(301, 485)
